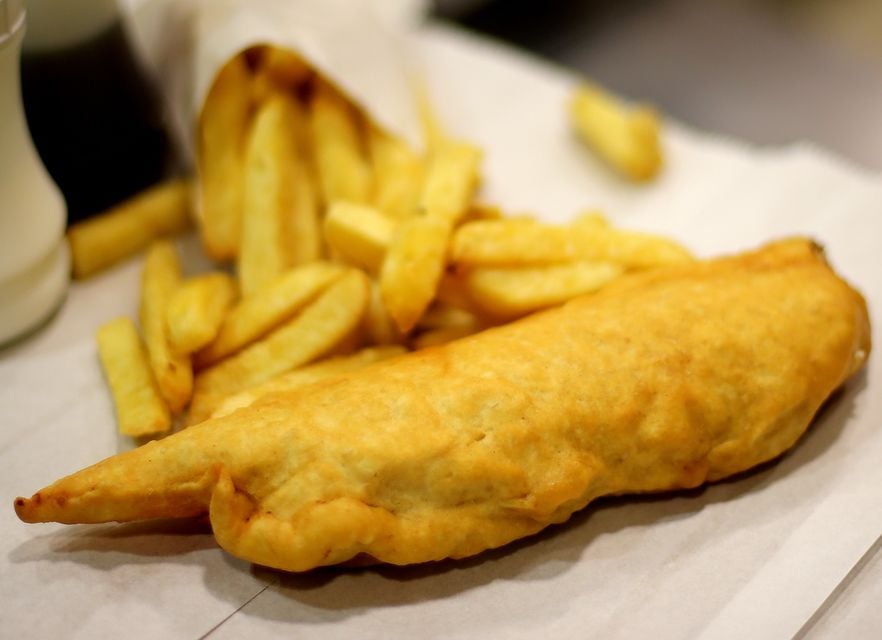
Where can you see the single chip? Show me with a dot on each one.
(222, 130)
(443, 323)
(267, 308)
(451, 291)
(524, 242)
(159, 282)
(140, 409)
(512, 242)
(434, 133)
(317, 330)
(446, 316)
(624, 137)
(437, 337)
(412, 269)
(482, 211)
(323, 370)
(281, 228)
(510, 293)
(122, 231)
(398, 172)
(359, 234)
(277, 70)
(343, 170)
(379, 328)
(197, 309)
(452, 176)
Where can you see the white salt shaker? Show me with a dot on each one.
(34, 260)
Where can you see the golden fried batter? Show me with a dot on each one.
(665, 380)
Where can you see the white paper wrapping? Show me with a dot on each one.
(750, 558)
(360, 45)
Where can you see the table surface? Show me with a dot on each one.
(765, 71)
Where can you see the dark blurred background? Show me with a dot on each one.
(767, 71)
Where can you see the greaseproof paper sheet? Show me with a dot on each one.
(749, 558)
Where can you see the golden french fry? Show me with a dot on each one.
(343, 169)
(451, 291)
(525, 242)
(333, 316)
(272, 305)
(378, 325)
(452, 176)
(279, 221)
(512, 242)
(359, 234)
(197, 309)
(482, 211)
(140, 409)
(433, 129)
(443, 323)
(632, 249)
(277, 70)
(125, 229)
(222, 130)
(397, 171)
(591, 220)
(304, 233)
(626, 138)
(446, 316)
(159, 282)
(509, 293)
(412, 268)
(443, 335)
(322, 370)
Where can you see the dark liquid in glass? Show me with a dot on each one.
(95, 120)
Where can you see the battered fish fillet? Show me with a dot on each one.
(666, 380)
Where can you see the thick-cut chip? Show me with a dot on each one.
(412, 269)
(631, 249)
(624, 137)
(451, 291)
(398, 173)
(319, 328)
(444, 322)
(277, 70)
(482, 211)
(525, 242)
(443, 335)
(512, 242)
(159, 282)
(323, 370)
(140, 409)
(359, 234)
(452, 176)
(433, 129)
(509, 293)
(102, 241)
(279, 220)
(343, 169)
(275, 303)
(591, 219)
(223, 126)
(379, 328)
(197, 309)
(446, 316)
